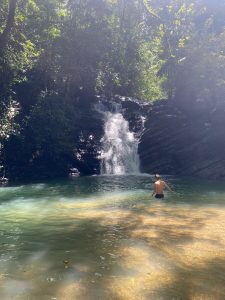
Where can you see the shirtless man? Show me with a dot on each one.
(159, 186)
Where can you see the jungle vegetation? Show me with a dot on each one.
(54, 51)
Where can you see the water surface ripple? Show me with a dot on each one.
(107, 238)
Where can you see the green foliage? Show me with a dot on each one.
(46, 140)
(57, 123)
(7, 124)
(147, 49)
(150, 82)
(135, 48)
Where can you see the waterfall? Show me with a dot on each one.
(119, 153)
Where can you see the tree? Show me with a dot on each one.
(9, 24)
(56, 55)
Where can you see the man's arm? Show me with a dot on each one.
(154, 191)
(168, 187)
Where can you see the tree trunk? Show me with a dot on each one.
(9, 24)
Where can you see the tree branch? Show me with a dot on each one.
(9, 25)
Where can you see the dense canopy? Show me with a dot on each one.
(52, 52)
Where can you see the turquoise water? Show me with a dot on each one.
(106, 237)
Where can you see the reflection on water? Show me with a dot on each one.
(107, 238)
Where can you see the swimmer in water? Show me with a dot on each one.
(159, 187)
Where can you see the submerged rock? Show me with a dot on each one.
(3, 181)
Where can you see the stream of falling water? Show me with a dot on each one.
(119, 145)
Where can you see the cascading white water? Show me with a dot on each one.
(119, 146)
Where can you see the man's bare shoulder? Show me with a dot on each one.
(160, 183)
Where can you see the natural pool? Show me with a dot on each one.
(105, 237)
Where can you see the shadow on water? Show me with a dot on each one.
(192, 275)
(85, 247)
(198, 282)
(129, 248)
(101, 259)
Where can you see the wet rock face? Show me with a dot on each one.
(28, 158)
(175, 142)
(91, 130)
(133, 111)
(87, 144)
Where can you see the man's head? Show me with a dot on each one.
(157, 177)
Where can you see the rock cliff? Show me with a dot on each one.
(183, 141)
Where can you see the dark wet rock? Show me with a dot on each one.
(134, 111)
(175, 142)
(79, 149)
(176, 139)
(87, 139)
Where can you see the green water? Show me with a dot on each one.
(105, 237)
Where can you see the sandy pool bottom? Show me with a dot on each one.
(158, 252)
